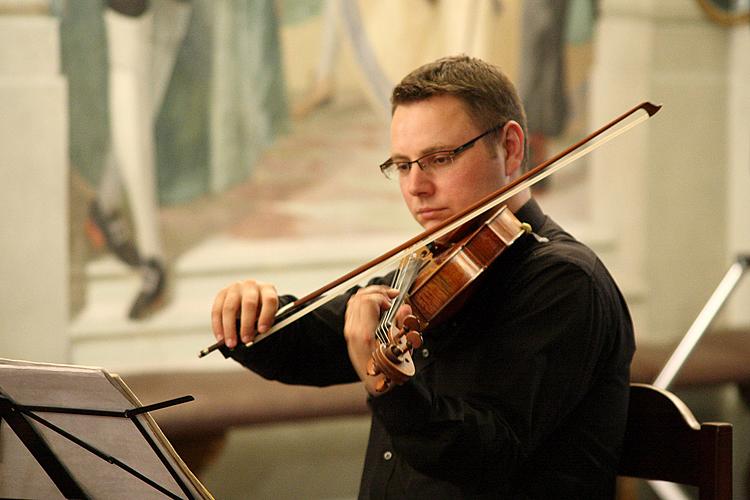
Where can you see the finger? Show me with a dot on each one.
(362, 314)
(249, 315)
(269, 306)
(216, 310)
(379, 289)
(379, 295)
(402, 313)
(229, 312)
(377, 300)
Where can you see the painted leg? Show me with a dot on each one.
(130, 101)
(171, 18)
(106, 225)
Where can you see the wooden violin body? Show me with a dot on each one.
(444, 282)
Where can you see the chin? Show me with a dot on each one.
(429, 224)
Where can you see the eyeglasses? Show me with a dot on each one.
(430, 162)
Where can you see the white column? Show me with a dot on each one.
(34, 286)
(662, 190)
(619, 81)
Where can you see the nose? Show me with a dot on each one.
(417, 182)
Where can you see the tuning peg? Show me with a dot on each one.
(372, 369)
(382, 385)
(414, 339)
(411, 323)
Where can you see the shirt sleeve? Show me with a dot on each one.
(310, 351)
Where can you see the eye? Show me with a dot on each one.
(402, 167)
(440, 160)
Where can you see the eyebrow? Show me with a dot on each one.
(432, 149)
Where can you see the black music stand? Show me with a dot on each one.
(79, 432)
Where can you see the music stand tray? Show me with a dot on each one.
(70, 431)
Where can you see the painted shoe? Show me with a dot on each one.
(152, 295)
(112, 231)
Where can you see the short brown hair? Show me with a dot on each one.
(489, 96)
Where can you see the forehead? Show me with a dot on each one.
(440, 121)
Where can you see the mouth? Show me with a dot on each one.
(430, 214)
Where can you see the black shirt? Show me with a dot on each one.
(522, 394)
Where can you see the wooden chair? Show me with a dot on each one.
(665, 442)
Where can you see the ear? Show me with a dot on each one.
(513, 144)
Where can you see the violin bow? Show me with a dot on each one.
(616, 127)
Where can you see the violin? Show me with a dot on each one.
(438, 288)
(434, 285)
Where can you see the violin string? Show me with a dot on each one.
(407, 273)
(399, 278)
(381, 332)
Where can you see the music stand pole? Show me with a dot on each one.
(702, 322)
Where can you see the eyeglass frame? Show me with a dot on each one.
(452, 152)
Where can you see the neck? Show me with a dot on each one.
(518, 200)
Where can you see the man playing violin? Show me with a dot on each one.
(521, 393)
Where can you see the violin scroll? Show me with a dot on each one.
(393, 360)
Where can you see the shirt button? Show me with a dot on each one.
(387, 455)
(425, 353)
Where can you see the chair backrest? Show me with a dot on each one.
(664, 441)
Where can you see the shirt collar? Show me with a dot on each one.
(532, 214)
